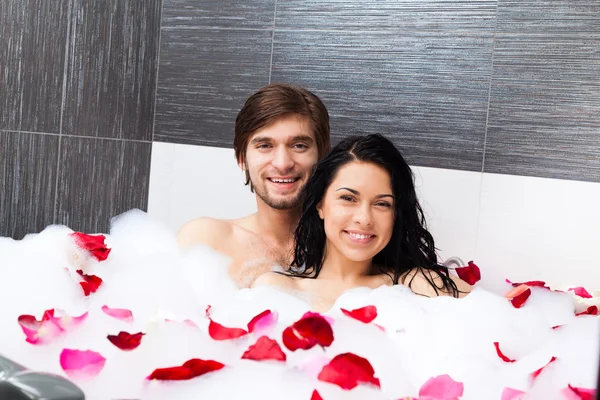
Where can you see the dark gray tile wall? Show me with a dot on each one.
(99, 179)
(493, 85)
(32, 57)
(73, 72)
(28, 172)
(213, 55)
(205, 77)
(112, 66)
(427, 91)
(544, 117)
(501, 86)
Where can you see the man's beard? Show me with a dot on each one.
(285, 203)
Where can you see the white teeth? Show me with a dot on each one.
(359, 236)
(282, 180)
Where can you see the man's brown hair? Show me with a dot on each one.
(276, 101)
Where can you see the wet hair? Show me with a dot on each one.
(411, 246)
(272, 103)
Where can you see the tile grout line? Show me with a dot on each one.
(76, 136)
(273, 41)
(487, 117)
(157, 70)
(62, 106)
(155, 98)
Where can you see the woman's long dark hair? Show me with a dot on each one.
(411, 246)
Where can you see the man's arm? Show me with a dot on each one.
(209, 231)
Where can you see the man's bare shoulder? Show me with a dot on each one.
(275, 279)
(204, 230)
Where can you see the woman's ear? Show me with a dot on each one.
(320, 210)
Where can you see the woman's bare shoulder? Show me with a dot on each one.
(419, 281)
(275, 279)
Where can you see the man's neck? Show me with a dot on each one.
(277, 225)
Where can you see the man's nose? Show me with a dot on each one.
(283, 160)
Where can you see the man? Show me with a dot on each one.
(280, 134)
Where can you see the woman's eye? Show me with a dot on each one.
(346, 198)
(384, 204)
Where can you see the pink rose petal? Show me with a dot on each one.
(81, 364)
(262, 322)
(39, 332)
(118, 313)
(52, 324)
(576, 393)
(581, 292)
(314, 365)
(441, 387)
(536, 373)
(512, 394)
(66, 321)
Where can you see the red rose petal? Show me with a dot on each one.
(315, 395)
(512, 394)
(441, 387)
(539, 371)
(92, 243)
(307, 332)
(363, 314)
(348, 370)
(265, 349)
(541, 284)
(576, 393)
(92, 282)
(81, 364)
(126, 341)
(591, 310)
(470, 274)
(207, 311)
(581, 292)
(190, 369)
(118, 313)
(262, 321)
(220, 332)
(518, 295)
(500, 354)
(314, 314)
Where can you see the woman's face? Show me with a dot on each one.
(358, 211)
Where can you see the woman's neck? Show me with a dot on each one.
(337, 266)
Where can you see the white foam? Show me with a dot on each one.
(147, 273)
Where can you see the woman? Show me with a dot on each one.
(362, 225)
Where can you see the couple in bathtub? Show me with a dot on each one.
(326, 221)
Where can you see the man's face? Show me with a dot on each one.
(279, 159)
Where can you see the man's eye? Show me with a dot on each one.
(301, 146)
(264, 146)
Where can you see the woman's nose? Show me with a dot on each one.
(363, 216)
